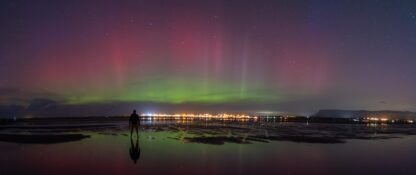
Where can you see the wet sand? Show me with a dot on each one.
(206, 132)
(41, 139)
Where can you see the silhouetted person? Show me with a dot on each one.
(134, 122)
(134, 150)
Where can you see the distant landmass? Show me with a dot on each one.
(364, 114)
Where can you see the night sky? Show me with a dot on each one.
(78, 57)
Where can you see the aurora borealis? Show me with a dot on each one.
(297, 56)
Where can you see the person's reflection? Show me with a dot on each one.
(134, 150)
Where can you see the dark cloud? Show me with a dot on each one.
(43, 107)
(42, 104)
(19, 96)
(10, 111)
(37, 107)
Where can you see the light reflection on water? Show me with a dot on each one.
(214, 148)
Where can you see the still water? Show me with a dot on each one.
(177, 147)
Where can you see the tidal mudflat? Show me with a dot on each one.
(205, 147)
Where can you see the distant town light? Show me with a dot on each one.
(183, 116)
